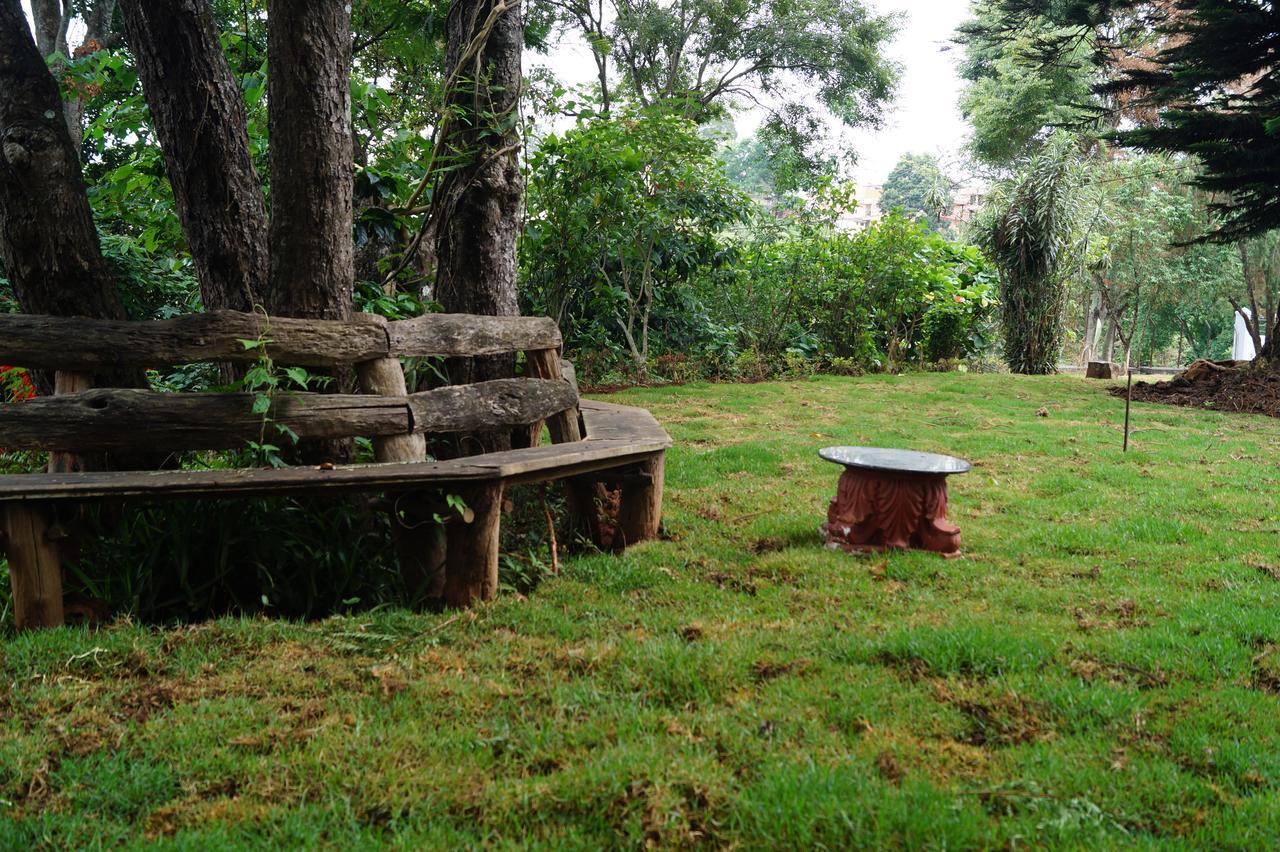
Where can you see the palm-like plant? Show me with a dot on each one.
(1031, 230)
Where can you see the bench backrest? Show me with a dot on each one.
(87, 419)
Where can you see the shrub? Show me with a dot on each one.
(891, 295)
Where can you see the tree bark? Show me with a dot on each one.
(51, 18)
(199, 115)
(48, 242)
(479, 212)
(312, 265)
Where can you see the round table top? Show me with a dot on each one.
(900, 461)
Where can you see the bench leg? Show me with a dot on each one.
(420, 549)
(471, 555)
(35, 572)
(640, 508)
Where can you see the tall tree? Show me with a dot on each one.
(477, 201)
(1013, 99)
(312, 266)
(48, 243)
(1210, 72)
(801, 59)
(1207, 68)
(199, 115)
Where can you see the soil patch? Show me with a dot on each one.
(1220, 385)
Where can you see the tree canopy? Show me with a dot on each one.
(917, 186)
(1206, 67)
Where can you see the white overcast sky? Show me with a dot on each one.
(923, 119)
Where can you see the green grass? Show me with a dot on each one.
(1101, 668)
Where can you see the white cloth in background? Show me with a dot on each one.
(1242, 344)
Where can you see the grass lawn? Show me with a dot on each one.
(1101, 668)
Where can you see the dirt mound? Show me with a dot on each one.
(1221, 385)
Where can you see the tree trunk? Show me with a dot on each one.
(199, 115)
(48, 242)
(312, 266)
(51, 20)
(1270, 351)
(479, 210)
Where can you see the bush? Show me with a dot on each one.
(892, 295)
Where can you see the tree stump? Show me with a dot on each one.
(1103, 370)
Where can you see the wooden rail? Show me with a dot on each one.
(115, 419)
(79, 344)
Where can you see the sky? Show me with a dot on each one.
(924, 117)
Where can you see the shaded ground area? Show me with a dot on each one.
(1209, 385)
(1101, 668)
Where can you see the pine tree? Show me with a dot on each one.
(1206, 67)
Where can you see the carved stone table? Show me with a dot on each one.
(892, 499)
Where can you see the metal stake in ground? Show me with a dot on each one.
(1128, 361)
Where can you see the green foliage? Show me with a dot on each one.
(893, 294)
(623, 211)
(1034, 231)
(1013, 99)
(917, 186)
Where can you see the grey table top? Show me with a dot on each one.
(900, 461)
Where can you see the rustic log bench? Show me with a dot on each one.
(592, 442)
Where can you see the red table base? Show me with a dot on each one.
(879, 510)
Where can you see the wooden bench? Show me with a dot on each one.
(591, 441)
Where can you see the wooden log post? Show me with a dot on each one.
(385, 377)
(563, 426)
(471, 572)
(66, 382)
(419, 542)
(584, 496)
(35, 572)
(640, 507)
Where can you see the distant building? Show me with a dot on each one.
(966, 205)
(867, 212)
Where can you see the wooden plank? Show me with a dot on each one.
(537, 464)
(35, 572)
(462, 335)
(122, 419)
(76, 343)
(621, 422)
(488, 405)
(81, 344)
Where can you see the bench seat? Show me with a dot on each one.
(608, 456)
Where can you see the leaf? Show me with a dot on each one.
(261, 403)
(298, 375)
